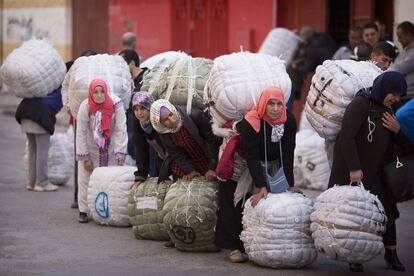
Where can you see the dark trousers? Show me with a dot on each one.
(229, 218)
(390, 236)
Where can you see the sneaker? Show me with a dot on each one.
(83, 217)
(74, 205)
(30, 187)
(236, 256)
(47, 188)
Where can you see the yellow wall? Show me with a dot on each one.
(47, 19)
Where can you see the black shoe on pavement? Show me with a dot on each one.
(353, 267)
(83, 217)
(391, 258)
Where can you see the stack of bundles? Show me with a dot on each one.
(152, 61)
(311, 163)
(60, 157)
(179, 79)
(237, 81)
(276, 232)
(108, 194)
(191, 214)
(281, 43)
(110, 68)
(145, 210)
(304, 123)
(333, 87)
(34, 69)
(348, 223)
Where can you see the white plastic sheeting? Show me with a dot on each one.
(348, 223)
(281, 43)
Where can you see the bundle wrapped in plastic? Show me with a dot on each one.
(108, 192)
(348, 223)
(60, 160)
(170, 55)
(180, 79)
(333, 87)
(110, 68)
(276, 232)
(34, 69)
(237, 81)
(191, 214)
(310, 161)
(145, 210)
(281, 43)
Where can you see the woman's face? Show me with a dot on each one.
(98, 95)
(274, 109)
(169, 120)
(390, 99)
(142, 114)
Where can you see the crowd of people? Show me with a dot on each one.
(168, 143)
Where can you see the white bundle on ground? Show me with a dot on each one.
(281, 43)
(170, 55)
(348, 223)
(310, 161)
(237, 81)
(333, 87)
(60, 157)
(276, 232)
(34, 69)
(108, 192)
(180, 79)
(110, 68)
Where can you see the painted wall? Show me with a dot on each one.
(403, 11)
(249, 21)
(48, 19)
(149, 19)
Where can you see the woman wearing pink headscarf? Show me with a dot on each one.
(101, 138)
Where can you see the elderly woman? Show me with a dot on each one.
(360, 150)
(101, 138)
(191, 146)
(145, 137)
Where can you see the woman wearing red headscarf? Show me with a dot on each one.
(101, 138)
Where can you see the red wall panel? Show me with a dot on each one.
(249, 21)
(149, 19)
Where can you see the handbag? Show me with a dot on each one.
(277, 183)
(399, 178)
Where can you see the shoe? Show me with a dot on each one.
(353, 267)
(47, 188)
(30, 187)
(392, 261)
(83, 217)
(236, 256)
(169, 244)
(74, 205)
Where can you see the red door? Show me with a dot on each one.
(362, 11)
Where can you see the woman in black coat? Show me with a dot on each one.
(361, 150)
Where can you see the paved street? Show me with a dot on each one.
(39, 234)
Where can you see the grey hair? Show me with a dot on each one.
(129, 39)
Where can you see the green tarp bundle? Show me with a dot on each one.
(191, 214)
(145, 210)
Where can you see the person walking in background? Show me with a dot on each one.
(100, 138)
(354, 38)
(370, 33)
(129, 40)
(37, 117)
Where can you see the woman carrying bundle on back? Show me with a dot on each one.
(101, 138)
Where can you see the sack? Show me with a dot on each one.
(399, 178)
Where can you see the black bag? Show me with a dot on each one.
(399, 178)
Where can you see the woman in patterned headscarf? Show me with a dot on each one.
(101, 138)
(189, 141)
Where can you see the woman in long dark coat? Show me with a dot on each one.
(361, 150)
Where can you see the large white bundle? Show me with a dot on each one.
(276, 232)
(237, 81)
(170, 56)
(110, 68)
(333, 87)
(34, 69)
(310, 161)
(281, 43)
(348, 223)
(108, 194)
(60, 157)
